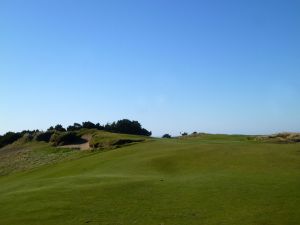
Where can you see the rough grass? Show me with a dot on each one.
(26, 154)
(281, 138)
(201, 180)
(20, 157)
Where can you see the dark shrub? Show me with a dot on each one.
(88, 125)
(60, 128)
(65, 138)
(127, 127)
(9, 138)
(184, 134)
(44, 136)
(166, 136)
(71, 128)
(32, 132)
(50, 128)
(75, 127)
(99, 127)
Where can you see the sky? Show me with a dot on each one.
(175, 66)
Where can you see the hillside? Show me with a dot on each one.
(205, 179)
(28, 154)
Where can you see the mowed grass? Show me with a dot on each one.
(226, 180)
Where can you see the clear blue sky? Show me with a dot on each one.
(214, 66)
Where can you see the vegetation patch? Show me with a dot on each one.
(22, 157)
(58, 135)
(9, 138)
(102, 139)
(66, 138)
(43, 136)
(281, 138)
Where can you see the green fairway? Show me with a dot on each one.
(205, 180)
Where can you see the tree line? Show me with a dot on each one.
(124, 126)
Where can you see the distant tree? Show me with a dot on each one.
(43, 136)
(184, 134)
(88, 125)
(130, 127)
(145, 132)
(50, 128)
(166, 136)
(9, 138)
(99, 127)
(75, 127)
(59, 127)
(127, 127)
(70, 128)
(29, 132)
(59, 135)
(110, 126)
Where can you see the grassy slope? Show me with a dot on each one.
(20, 157)
(203, 180)
(105, 139)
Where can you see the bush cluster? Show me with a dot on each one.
(127, 127)
(9, 138)
(124, 126)
(166, 136)
(65, 138)
(43, 136)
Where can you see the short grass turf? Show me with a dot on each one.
(191, 181)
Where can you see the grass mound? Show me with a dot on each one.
(33, 150)
(103, 139)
